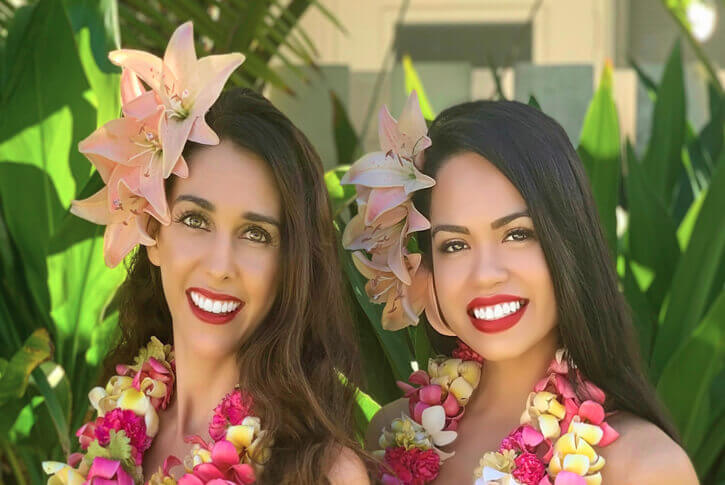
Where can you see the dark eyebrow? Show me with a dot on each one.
(206, 205)
(256, 217)
(506, 219)
(449, 228)
(494, 225)
(203, 203)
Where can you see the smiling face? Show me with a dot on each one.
(486, 253)
(219, 257)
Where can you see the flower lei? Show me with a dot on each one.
(113, 445)
(554, 444)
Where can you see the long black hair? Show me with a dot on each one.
(535, 154)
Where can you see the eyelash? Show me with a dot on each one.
(446, 247)
(266, 238)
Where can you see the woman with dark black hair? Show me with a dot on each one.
(521, 274)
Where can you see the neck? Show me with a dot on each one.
(201, 383)
(506, 384)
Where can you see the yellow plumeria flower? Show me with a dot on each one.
(575, 453)
(62, 474)
(543, 412)
(456, 376)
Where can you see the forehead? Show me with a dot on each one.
(469, 187)
(231, 178)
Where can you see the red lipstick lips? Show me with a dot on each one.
(211, 317)
(500, 324)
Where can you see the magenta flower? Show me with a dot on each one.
(225, 467)
(529, 469)
(107, 472)
(409, 467)
(464, 352)
(230, 412)
(128, 421)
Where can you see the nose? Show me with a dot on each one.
(220, 263)
(489, 267)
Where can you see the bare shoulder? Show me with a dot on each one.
(348, 469)
(645, 455)
(382, 419)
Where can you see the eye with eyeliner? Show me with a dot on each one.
(528, 233)
(255, 233)
(453, 246)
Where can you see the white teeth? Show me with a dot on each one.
(495, 312)
(213, 306)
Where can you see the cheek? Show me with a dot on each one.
(259, 268)
(450, 275)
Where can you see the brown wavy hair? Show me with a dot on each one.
(292, 364)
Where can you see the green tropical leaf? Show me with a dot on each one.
(686, 379)
(413, 82)
(662, 162)
(341, 196)
(394, 344)
(696, 276)
(51, 381)
(599, 151)
(36, 349)
(651, 234)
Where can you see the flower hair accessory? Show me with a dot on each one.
(134, 154)
(379, 233)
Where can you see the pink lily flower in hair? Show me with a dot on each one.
(406, 137)
(128, 150)
(388, 235)
(186, 87)
(136, 101)
(385, 179)
(403, 303)
(125, 224)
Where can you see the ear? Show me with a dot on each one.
(153, 229)
(153, 254)
(433, 313)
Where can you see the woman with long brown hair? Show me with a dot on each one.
(237, 270)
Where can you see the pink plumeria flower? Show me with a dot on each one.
(106, 472)
(186, 87)
(225, 465)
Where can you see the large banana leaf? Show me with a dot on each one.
(688, 377)
(662, 163)
(599, 152)
(696, 276)
(58, 95)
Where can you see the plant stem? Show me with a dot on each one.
(14, 464)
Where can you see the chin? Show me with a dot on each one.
(507, 345)
(211, 343)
